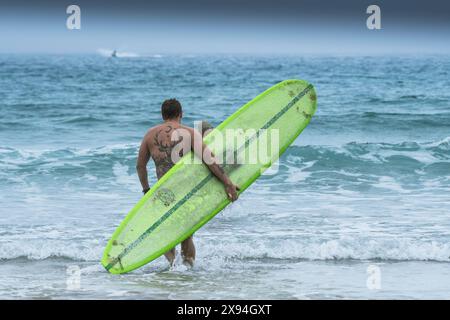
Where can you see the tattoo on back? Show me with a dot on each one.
(163, 142)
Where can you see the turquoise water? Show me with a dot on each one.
(366, 184)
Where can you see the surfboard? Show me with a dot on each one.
(188, 195)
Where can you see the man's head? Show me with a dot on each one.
(171, 110)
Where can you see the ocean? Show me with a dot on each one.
(359, 208)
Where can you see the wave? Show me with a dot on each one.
(382, 122)
(291, 250)
(11, 125)
(50, 249)
(399, 99)
(409, 116)
(348, 248)
(83, 120)
(424, 153)
(366, 165)
(430, 160)
(119, 54)
(127, 54)
(25, 155)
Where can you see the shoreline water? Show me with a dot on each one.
(301, 280)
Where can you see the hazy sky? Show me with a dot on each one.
(226, 26)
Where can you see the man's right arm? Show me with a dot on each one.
(141, 165)
(230, 188)
(213, 165)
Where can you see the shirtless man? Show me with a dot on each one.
(158, 144)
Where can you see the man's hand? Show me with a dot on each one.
(231, 190)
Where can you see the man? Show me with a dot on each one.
(158, 144)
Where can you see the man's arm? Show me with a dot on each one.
(141, 165)
(212, 164)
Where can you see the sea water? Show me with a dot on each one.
(359, 207)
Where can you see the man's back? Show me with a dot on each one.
(160, 143)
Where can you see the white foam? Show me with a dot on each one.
(119, 54)
(45, 249)
(439, 143)
(342, 248)
(214, 253)
(389, 183)
(122, 177)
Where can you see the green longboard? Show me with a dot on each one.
(188, 195)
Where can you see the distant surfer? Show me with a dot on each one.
(158, 145)
(114, 54)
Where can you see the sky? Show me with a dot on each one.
(226, 26)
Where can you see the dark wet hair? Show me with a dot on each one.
(171, 109)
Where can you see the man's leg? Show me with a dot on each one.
(170, 256)
(188, 251)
